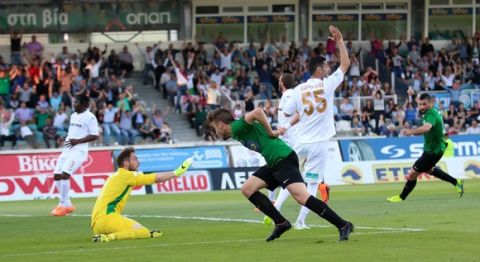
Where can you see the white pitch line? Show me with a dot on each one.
(232, 220)
(83, 250)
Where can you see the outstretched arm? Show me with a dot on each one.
(141, 180)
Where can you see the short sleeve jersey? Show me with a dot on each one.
(434, 142)
(82, 125)
(313, 100)
(254, 137)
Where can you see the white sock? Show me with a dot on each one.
(271, 195)
(66, 193)
(282, 196)
(58, 185)
(312, 188)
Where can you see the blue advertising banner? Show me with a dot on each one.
(167, 159)
(401, 148)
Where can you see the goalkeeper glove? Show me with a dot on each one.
(184, 167)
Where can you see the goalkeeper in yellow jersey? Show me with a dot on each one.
(107, 222)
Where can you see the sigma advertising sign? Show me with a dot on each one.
(30, 176)
(167, 159)
(402, 148)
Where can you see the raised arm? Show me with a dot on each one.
(344, 59)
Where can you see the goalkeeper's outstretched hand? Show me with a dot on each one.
(184, 167)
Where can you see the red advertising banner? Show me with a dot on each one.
(44, 163)
(30, 176)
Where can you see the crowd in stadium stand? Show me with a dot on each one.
(37, 88)
(252, 73)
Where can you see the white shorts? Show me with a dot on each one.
(312, 159)
(69, 161)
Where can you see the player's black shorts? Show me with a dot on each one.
(284, 173)
(426, 162)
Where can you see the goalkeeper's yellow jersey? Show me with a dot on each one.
(116, 190)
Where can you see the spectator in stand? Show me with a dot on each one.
(110, 125)
(390, 131)
(15, 48)
(249, 101)
(126, 127)
(147, 130)
(396, 63)
(113, 63)
(474, 129)
(165, 133)
(265, 75)
(34, 48)
(148, 56)
(427, 48)
(126, 62)
(213, 96)
(24, 113)
(398, 115)
(238, 111)
(14, 103)
(55, 101)
(378, 107)
(28, 135)
(50, 133)
(41, 117)
(354, 70)
(171, 88)
(356, 125)
(158, 119)
(410, 113)
(64, 57)
(60, 120)
(6, 119)
(5, 85)
(138, 114)
(461, 116)
(346, 109)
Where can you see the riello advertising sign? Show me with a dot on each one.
(30, 176)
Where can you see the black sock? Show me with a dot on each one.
(325, 212)
(438, 173)
(409, 186)
(262, 202)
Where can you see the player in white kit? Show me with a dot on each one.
(313, 100)
(82, 130)
(286, 83)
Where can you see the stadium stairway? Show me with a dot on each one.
(178, 122)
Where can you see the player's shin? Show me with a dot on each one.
(263, 203)
(325, 212)
(282, 196)
(438, 173)
(409, 186)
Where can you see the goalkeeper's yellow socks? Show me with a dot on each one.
(184, 167)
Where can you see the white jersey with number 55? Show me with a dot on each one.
(313, 100)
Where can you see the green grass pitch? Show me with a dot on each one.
(432, 225)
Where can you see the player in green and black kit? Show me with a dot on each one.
(254, 132)
(433, 149)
